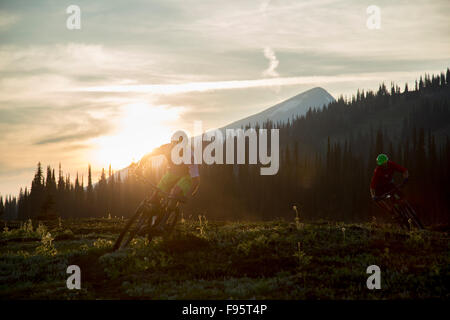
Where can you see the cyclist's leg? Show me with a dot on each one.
(165, 185)
(383, 190)
(183, 187)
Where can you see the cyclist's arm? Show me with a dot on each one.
(142, 167)
(397, 167)
(401, 169)
(164, 150)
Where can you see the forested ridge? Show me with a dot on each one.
(326, 161)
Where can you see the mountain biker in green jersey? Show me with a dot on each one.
(180, 180)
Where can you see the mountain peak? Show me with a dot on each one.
(295, 106)
(316, 89)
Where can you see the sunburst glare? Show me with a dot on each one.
(141, 128)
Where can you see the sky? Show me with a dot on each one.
(136, 71)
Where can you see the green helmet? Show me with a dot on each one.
(382, 159)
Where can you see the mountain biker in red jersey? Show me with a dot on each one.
(382, 179)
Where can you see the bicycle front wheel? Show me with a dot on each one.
(133, 225)
(411, 215)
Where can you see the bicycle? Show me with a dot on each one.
(392, 201)
(151, 219)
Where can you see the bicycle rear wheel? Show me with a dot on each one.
(400, 217)
(172, 221)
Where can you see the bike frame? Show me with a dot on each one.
(394, 202)
(388, 200)
(154, 213)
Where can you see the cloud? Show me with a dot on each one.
(7, 20)
(205, 57)
(79, 136)
(169, 89)
(9, 171)
(263, 6)
(332, 26)
(273, 63)
(72, 60)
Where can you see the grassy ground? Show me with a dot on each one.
(212, 260)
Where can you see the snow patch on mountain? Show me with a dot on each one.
(298, 105)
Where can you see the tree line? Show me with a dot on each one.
(62, 196)
(327, 158)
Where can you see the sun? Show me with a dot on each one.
(141, 129)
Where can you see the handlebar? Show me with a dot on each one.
(166, 195)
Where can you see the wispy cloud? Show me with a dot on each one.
(273, 63)
(91, 131)
(168, 89)
(335, 27)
